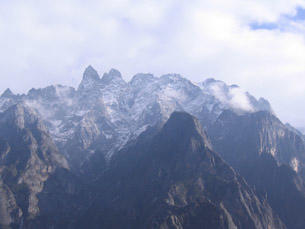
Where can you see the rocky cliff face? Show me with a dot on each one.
(28, 157)
(269, 155)
(253, 134)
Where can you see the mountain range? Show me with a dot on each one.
(154, 152)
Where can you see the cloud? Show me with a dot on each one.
(239, 100)
(233, 97)
(49, 42)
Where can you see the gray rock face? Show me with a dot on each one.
(112, 75)
(7, 93)
(27, 158)
(90, 79)
(10, 213)
(269, 156)
(253, 134)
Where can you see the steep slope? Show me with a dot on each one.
(269, 155)
(170, 178)
(27, 158)
(7, 99)
(248, 136)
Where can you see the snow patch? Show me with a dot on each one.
(294, 163)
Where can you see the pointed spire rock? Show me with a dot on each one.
(264, 105)
(115, 72)
(112, 75)
(91, 73)
(90, 78)
(7, 93)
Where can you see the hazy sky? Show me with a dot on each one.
(258, 45)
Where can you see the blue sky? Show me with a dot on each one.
(268, 26)
(259, 45)
(298, 16)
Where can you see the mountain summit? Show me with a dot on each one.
(90, 78)
(7, 93)
(113, 74)
(183, 128)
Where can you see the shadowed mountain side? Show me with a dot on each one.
(263, 150)
(170, 178)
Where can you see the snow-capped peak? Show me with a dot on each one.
(123, 109)
(90, 78)
(142, 78)
(7, 93)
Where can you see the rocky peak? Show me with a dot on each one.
(140, 78)
(112, 76)
(211, 85)
(264, 104)
(178, 82)
(115, 72)
(171, 77)
(48, 93)
(209, 81)
(7, 93)
(90, 73)
(182, 127)
(90, 79)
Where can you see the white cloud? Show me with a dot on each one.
(44, 42)
(239, 100)
(233, 97)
